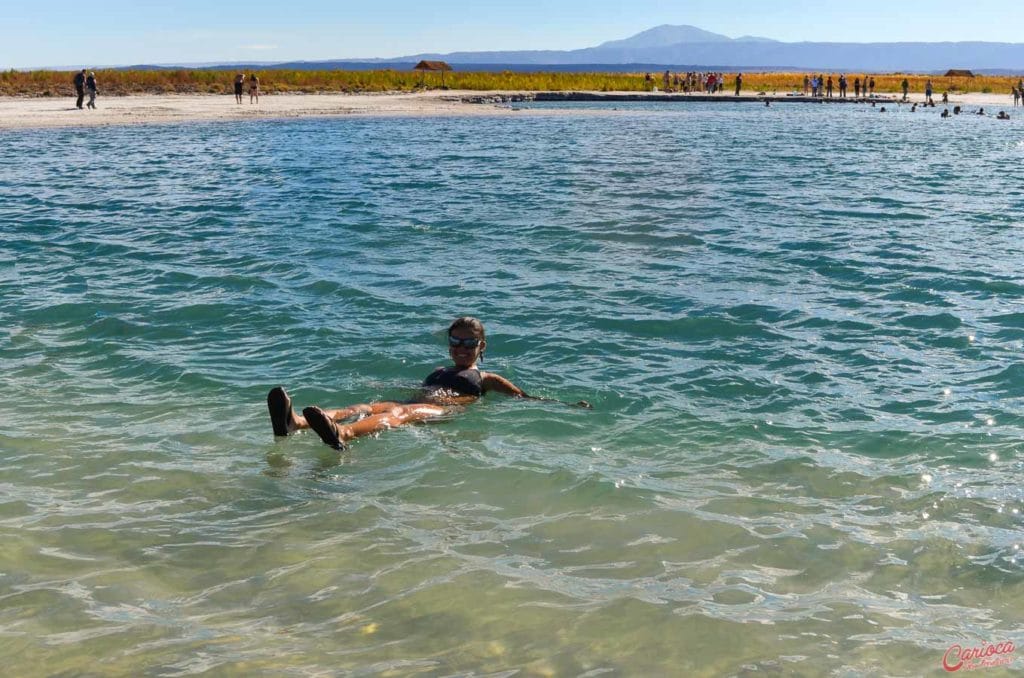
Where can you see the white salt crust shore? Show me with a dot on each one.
(48, 112)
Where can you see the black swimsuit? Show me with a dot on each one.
(463, 382)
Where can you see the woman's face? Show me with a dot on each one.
(462, 354)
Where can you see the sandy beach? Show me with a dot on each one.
(45, 112)
(27, 113)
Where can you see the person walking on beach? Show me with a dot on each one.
(80, 87)
(254, 89)
(444, 389)
(906, 88)
(239, 86)
(739, 83)
(90, 87)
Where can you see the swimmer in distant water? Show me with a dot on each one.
(445, 387)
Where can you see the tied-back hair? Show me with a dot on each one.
(473, 325)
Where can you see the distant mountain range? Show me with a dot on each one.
(690, 48)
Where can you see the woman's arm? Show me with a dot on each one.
(496, 382)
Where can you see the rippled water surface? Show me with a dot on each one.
(802, 329)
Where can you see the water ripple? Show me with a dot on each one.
(798, 326)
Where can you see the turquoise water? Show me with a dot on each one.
(801, 327)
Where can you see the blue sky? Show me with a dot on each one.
(119, 32)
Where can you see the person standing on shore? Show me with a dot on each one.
(90, 87)
(871, 84)
(906, 88)
(739, 83)
(807, 84)
(80, 87)
(254, 89)
(928, 93)
(842, 85)
(239, 85)
(856, 88)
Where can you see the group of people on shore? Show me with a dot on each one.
(821, 86)
(693, 81)
(816, 86)
(1018, 94)
(85, 84)
(928, 90)
(254, 88)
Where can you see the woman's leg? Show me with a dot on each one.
(335, 435)
(284, 420)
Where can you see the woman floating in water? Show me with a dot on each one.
(460, 384)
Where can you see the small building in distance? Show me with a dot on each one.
(425, 66)
(957, 73)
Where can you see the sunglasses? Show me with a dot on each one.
(468, 342)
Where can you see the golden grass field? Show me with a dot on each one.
(185, 81)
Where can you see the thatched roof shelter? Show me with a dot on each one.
(425, 66)
(955, 73)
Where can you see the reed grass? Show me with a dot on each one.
(885, 83)
(185, 81)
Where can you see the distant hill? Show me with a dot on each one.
(691, 48)
(664, 36)
(677, 45)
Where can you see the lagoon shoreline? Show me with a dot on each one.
(56, 112)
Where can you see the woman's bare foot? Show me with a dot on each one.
(282, 417)
(324, 426)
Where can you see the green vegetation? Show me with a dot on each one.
(184, 81)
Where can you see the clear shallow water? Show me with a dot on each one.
(801, 327)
